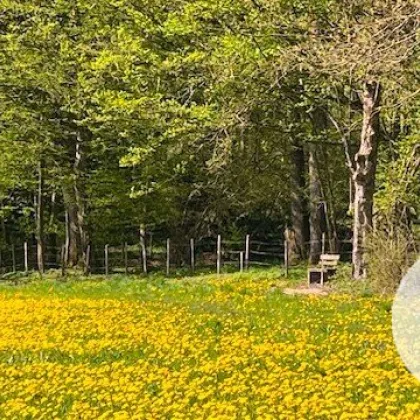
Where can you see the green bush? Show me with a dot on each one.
(389, 257)
(343, 282)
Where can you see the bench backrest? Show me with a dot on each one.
(329, 260)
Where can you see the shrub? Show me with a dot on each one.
(389, 257)
(343, 282)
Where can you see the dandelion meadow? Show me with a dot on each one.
(233, 347)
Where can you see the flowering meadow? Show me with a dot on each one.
(233, 347)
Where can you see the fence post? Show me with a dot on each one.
(323, 243)
(143, 250)
(125, 258)
(25, 255)
(192, 254)
(247, 250)
(241, 261)
(168, 256)
(286, 251)
(219, 253)
(106, 260)
(87, 262)
(13, 259)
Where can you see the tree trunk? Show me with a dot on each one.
(331, 224)
(73, 194)
(143, 248)
(315, 209)
(329, 208)
(51, 237)
(79, 193)
(39, 208)
(298, 214)
(72, 227)
(324, 193)
(364, 177)
(5, 239)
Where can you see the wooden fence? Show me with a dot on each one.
(168, 256)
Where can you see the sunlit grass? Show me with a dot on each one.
(196, 347)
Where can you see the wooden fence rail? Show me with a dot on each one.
(218, 254)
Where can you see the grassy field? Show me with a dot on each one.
(232, 347)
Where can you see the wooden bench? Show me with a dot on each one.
(327, 267)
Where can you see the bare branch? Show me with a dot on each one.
(344, 140)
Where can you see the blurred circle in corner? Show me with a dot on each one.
(406, 320)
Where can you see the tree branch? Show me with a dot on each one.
(344, 140)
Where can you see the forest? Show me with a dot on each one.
(191, 119)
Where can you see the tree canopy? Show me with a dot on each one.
(197, 117)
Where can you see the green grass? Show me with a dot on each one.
(118, 286)
(223, 337)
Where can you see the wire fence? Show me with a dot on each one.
(165, 255)
(152, 253)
